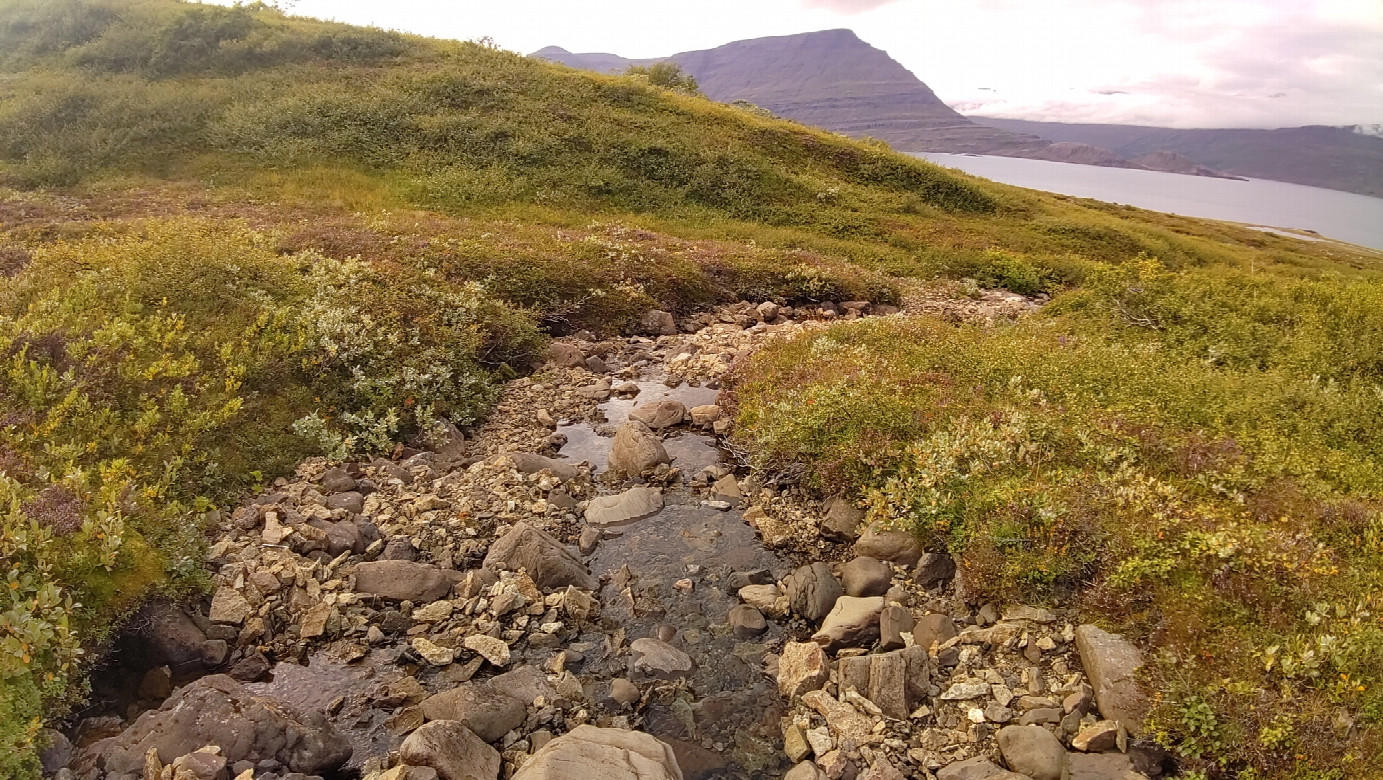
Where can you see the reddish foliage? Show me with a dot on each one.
(56, 507)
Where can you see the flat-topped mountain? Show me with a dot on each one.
(834, 80)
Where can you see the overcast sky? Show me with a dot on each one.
(1178, 63)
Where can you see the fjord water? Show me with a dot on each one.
(1344, 216)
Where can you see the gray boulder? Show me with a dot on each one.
(865, 576)
(656, 322)
(547, 561)
(1033, 751)
(489, 712)
(592, 753)
(934, 569)
(813, 590)
(453, 750)
(660, 414)
(337, 481)
(933, 628)
(402, 581)
(217, 710)
(1102, 766)
(898, 547)
(1111, 662)
(350, 501)
(978, 768)
(842, 521)
(530, 463)
(852, 622)
(746, 622)
(635, 450)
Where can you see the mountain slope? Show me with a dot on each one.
(1331, 157)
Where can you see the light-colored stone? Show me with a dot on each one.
(401, 581)
(488, 711)
(591, 753)
(978, 768)
(633, 504)
(802, 667)
(1032, 751)
(1111, 663)
(491, 649)
(453, 750)
(433, 653)
(705, 415)
(852, 622)
(547, 561)
(1101, 737)
(844, 720)
(1102, 766)
(898, 547)
(660, 659)
(635, 450)
(435, 612)
(658, 415)
(813, 591)
(229, 606)
(865, 576)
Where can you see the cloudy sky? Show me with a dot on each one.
(1179, 63)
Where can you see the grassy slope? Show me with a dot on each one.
(189, 186)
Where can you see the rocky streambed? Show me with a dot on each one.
(589, 586)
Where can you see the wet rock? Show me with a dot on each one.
(894, 622)
(853, 622)
(530, 463)
(1102, 766)
(453, 750)
(727, 489)
(250, 668)
(978, 768)
(591, 753)
(842, 521)
(352, 502)
(157, 684)
(1111, 662)
(635, 450)
(802, 667)
(337, 481)
(865, 576)
(484, 709)
(658, 415)
(167, 636)
(746, 622)
(656, 658)
(656, 322)
(401, 580)
(934, 569)
(547, 561)
(229, 606)
(596, 392)
(633, 504)
(934, 628)
(898, 547)
(56, 753)
(565, 355)
(1032, 751)
(491, 649)
(813, 591)
(217, 710)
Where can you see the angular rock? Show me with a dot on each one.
(888, 684)
(656, 322)
(491, 649)
(853, 622)
(727, 488)
(217, 710)
(978, 768)
(865, 576)
(352, 502)
(658, 415)
(432, 652)
(704, 415)
(843, 720)
(530, 463)
(1111, 663)
(337, 481)
(167, 636)
(565, 355)
(746, 622)
(898, 547)
(399, 548)
(934, 569)
(229, 606)
(1098, 738)
(1102, 766)
(250, 668)
(894, 622)
(657, 658)
(842, 521)
(547, 561)
(592, 753)
(484, 709)
(1024, 612)
(802, 667)
(453, 750)
(635, 450)
(633, 504)
(624, 692)
(805, 770)
(1032, 751)
(934, 628)
(401, 580)
(813, 591)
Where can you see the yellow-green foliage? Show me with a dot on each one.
(1196, 456)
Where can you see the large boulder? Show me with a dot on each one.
(898, 547)
(547, 561)
(656, 322)
(932, 629)
(1033, 751)
(865, 576)
(842, 521)
(592, 753)
(660, 414)
(934, 569)
(813, 590)
(402, 581)
(635, 450)
(219, 711)
(166, 636)
(1102, 766)
(488, 712)
(453, 750)
(633, 504)
(802, 667)
(1111, 662)
(977, 768)
(853, 622)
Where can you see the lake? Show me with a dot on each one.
(1356, 219)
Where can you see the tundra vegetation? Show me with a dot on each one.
(230, 239)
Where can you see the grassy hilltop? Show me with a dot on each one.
(230, 239)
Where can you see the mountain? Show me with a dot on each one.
(1337, 158)
(834, 80)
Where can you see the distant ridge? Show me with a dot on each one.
(834, 80)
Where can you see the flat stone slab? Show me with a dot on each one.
(633, 504)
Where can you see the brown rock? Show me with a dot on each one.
(635, 450)
(453, 750)
(401, 580)
(1111, 663)
(898, 547)
(802, 667)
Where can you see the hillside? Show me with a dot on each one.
(246, 256)
(833, 80)
(1331, 157)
